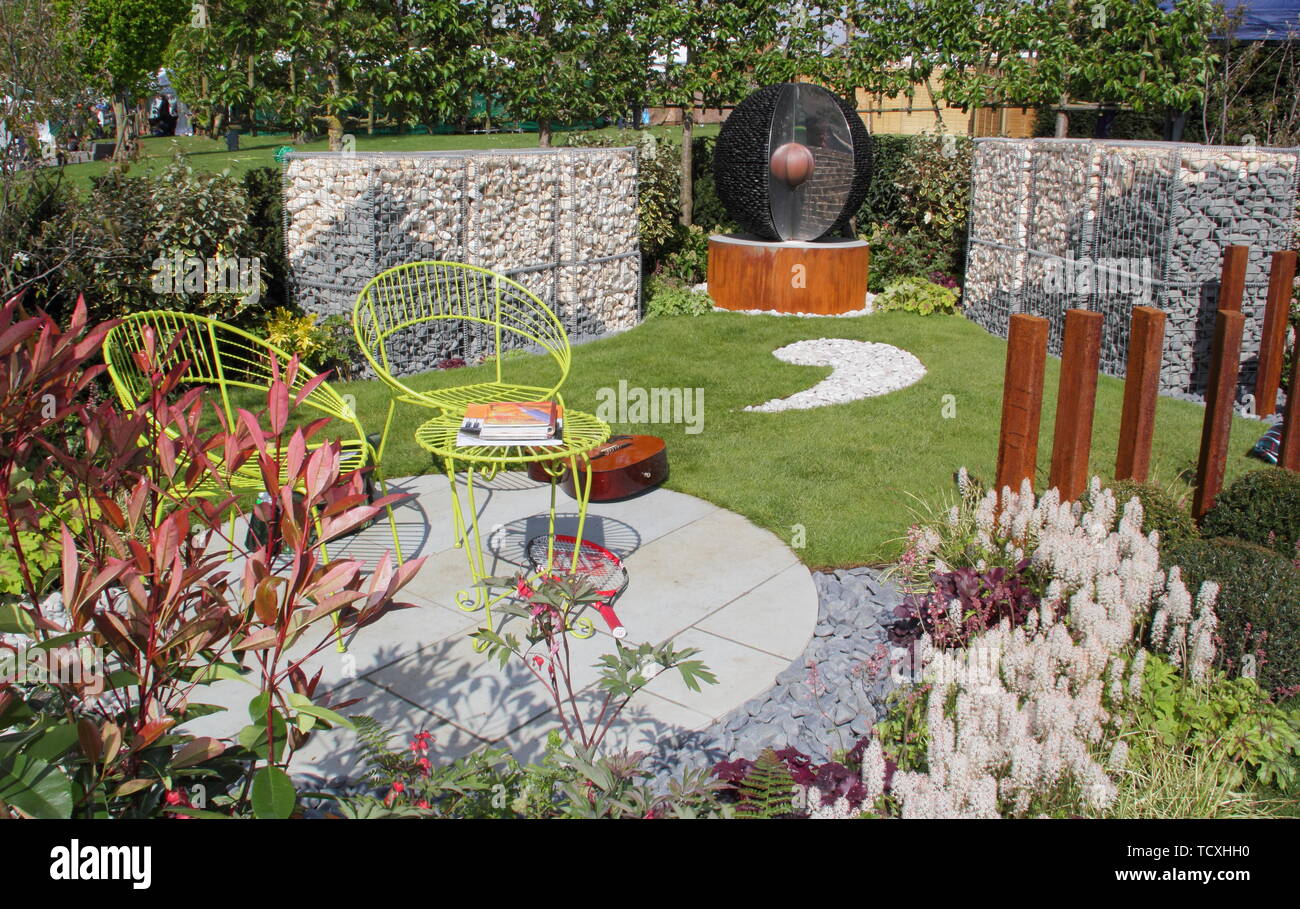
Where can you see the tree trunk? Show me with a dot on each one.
(294, 123)
(370, 115)
(252, 102)
(335, 133)
(688, 163)
(544, 133)
(1063, 120)
(124, 121)
(206, 106)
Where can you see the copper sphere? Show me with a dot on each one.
(792, 163)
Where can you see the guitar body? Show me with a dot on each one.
(622, 467)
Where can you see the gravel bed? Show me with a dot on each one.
(825, 700)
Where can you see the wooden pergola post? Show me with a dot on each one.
(1075, 402)
(1273, 341)
(1220, 397)
(1141, 390)
(1288, 455)
(1232, 280)
(1022, 401)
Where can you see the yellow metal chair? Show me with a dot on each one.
(226, 358)
(504, 315)
(404, 299)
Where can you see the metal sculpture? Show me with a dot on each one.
(793, 162)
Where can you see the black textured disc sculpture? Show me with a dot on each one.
(793, 162)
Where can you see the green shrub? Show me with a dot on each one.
(39, 214)
(328, 344)
(707, 209)
(916, 207)
(1263, 507)
(265, 232)
(917, 295)
(139, 225)
(689, 264)
(1160, 511)
(896, 255)
(1258, 606)
(1253, 739)
(664, 298)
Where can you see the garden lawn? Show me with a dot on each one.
(843, 480)
(259, 151)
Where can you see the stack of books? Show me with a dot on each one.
(512, 423)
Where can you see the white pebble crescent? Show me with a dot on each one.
(860, 369)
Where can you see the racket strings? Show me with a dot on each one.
(597, 568)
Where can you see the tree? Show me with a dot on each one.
(553, 64)
(1104, 53)
(711, 53)
(38, 77)
(220, 59)
(422, 62)
(123, 43)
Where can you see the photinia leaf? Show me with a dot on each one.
(273, 794)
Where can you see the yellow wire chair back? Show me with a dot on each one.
(219, 355)
(409, 295)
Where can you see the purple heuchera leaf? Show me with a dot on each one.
(986, 598)
(732, 772)
(800, 765)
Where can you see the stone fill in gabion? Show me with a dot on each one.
(562, 222)
(1057, 224)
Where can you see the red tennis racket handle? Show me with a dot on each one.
(611, 619)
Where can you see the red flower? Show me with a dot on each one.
(399, 787)
(523, 590)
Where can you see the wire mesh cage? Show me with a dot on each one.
(562, 222)
(1057, 224)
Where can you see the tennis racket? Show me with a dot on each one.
(600, 566)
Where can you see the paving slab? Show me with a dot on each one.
(704, 576)
(769, 617)
(742, 673)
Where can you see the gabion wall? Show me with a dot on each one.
(562, 222)
(1057, 224)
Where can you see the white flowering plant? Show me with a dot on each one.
(1026, 719)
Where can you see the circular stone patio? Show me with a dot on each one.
(698, 574)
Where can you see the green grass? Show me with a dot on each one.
(852, 474)
(259, 151)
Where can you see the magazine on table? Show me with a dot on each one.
(525, 423)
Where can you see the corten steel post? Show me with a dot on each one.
(1141, 388)
(1232, 280)
(1289, 455)
(1224, 368)
(1022, 401)
(1075, 402)
(1276, 310)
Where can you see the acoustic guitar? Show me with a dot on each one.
(623, 466)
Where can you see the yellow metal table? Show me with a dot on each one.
(582, 432)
